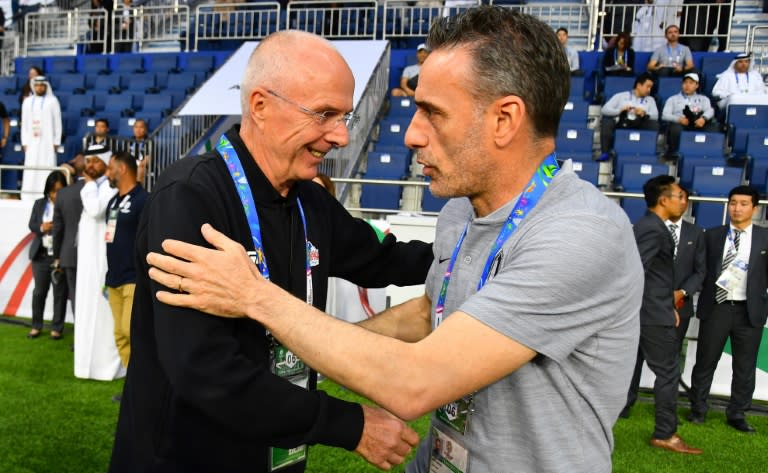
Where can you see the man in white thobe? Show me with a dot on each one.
(740, 81)
(96, 355)
(40, 135)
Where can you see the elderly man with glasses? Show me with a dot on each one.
(210, 394)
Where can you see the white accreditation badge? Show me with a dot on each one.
(448, 455)
(109, 236)
(733, 275)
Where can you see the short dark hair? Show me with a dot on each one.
(126, 158)
(512, 54)
(52, 179)
(564, 30)
(656, 187)
(746, 190)
(670, 26)
(627, 39)
(102, 120)
(642, 79)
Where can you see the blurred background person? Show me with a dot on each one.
(26, 89)
(40, 135)
(141, 148)
(410, 77)
(41, 254)
(619, 60)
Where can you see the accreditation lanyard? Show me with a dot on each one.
(235, 168)
(283, 362)
(743, 89)
(616, 57)
(527, 201)
(677, 53)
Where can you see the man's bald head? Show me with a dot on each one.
(289, 59)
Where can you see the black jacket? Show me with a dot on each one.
(199, 390)
(654, 242)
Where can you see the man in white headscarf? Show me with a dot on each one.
(96, 355)
(739, 80)
(40, 135)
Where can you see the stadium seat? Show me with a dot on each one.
(711, 66)
(129, 63)
(390, 166)
(757, 159)
(122, 104)
(634, 176)
(699, 149)
(142, 83)
(199, 62)
(61, 65)
(574, 143)
(9, 84)
(713, 181)
(402, 107)
(587, 170)
(392, 131)
(107, 84)
(96, 64)
(616, 84)
(160, 104)
(668, 86)
(743, 119)
(430, 203)
(72, 83)
(163, 63)
(633, 146)
(575, 113)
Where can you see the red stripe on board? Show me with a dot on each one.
(14, 254)
(18, 294)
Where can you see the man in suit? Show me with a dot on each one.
(690, 269)
(732, 304)
(658, 317)
(66, 218)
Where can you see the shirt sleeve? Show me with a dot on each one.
(221, 366)
(668, 112)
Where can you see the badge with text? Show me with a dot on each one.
(456, 414)
(109, 236)
(733, 275)
(287, 365)
(448, 455)
(282, 457)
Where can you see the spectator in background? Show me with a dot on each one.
(570, 53)
(647, 27)
(40, 135)
(705, 24)
(658, 316)
(671, 58)
(41, 254)
(26, 89)
(123, 212)
(66, 219)
(141, 148)
(634, 109)
(96, 356)
(410, 77)
(687, 111)
(101, 29)
(619, 60)
(125, 33)
(99, 135)
(739, 80)
(732, 305)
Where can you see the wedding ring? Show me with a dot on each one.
(181, 279)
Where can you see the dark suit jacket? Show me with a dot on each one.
(35, 220)
(654, 242)
(690, 264)
(757, 275)
(66, 217)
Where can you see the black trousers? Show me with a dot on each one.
(608, 126)
(71, 276)
(659, 348)
(41, 271)
(726, 320)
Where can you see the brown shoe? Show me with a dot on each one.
(675, 444)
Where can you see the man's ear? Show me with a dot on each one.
(509, 115)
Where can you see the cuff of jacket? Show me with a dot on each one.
(340, 425)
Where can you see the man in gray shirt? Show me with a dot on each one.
(634, 109)
(523, 362)
(571, 54)
(671, 58)
(687, 111)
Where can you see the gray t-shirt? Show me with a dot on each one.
(569, 286)
(668, 56)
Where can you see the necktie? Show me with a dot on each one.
(675, 240)
(721, 295)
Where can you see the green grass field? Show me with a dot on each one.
(51, 422)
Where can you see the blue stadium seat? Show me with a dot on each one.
(11, 102)
(392, 131)
(108, 83)
(574, 143)
(119, 103)
(142, 83)
(95, 64)
(587, 170)
(577, 89)
(430, 203)
(72, 83)
(402, 107)
(61, 65)
(9, 179)
(160, 104)
(163, 63)
(699, 149)
(99, 99)
(384, 166)
(757, 159)
(9, 84)
(199, 62)
(184, 81)
(616, 84)
(634, 176)
(633, 146)
(743, 119)
(713, 181)
(668, 86)
(575, 113)
(129, 63)
(713, 65)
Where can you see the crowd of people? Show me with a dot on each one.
(220, 319)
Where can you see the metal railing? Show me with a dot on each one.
(21, 167)
(574, 17)
(148, 25)
(757, 44)
(231, 21)
(647, 22)
(356, 19)
(64, 30)
(9, 52)
(408, 19)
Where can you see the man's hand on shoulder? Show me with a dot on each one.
(386, 440)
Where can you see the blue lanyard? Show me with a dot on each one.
(736, 75)
(633, 96)
(527, 201)
(235, 168)
(616, 56)
(677, 52)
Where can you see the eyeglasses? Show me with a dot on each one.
(327, 119)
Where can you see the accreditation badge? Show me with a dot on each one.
(733, 275)
(286, 364)
(448, 455)
(456, 414)
(109, 236)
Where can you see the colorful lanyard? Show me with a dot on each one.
(235, 167)
(527, 201)
(616, 57)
